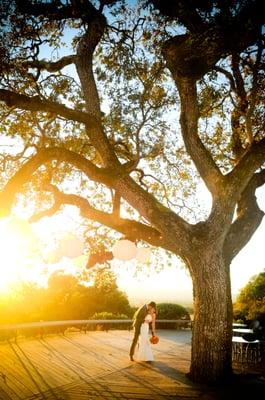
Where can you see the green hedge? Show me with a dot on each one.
(172, 311)
(109, 316)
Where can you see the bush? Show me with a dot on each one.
(108, 315)
(172, 311)
(106, 326)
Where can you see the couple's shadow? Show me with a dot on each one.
(166, 370)
(169, 372)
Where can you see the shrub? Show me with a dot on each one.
(106, 326)
(172, 311)
(108, 315)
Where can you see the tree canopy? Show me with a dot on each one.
(65, 298)
(250, 303)
(93, 91)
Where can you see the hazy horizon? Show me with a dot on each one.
(184, 298)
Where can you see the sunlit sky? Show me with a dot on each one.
(32, 252)
(174, 283)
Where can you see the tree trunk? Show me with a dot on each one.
(211, 358)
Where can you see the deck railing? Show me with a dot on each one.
(13, 331)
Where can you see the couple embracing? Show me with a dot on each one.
(143, 318)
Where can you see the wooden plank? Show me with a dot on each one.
(96, 365)
(78, 363)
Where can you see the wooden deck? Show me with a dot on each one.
(96, 365)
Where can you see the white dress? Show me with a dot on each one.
(144, 352)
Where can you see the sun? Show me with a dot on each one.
(31, 252)
(17, 247)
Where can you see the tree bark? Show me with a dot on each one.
(212, 327)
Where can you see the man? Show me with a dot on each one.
(139, 317)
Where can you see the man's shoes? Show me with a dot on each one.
(131, 358)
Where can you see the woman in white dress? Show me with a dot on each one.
(144, 352)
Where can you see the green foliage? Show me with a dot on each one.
(110, 298)
(250, 302)
(65, 298)
(105, 281)
(172, 311)
(108, 315)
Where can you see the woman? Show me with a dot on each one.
(144, 352)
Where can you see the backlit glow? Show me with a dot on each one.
(18, 246)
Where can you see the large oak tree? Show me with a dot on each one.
(201, 61)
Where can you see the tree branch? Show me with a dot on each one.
(14, 185)
(49, 65)
(84, 64)
(252, 160)
(84, 67)
(163, 220)
(201, 157)
(253, 93)
(23, 102)
(161, 217)
(239, 83)
(116, 204)
(132, 229)
(249, 217)
(93, 125)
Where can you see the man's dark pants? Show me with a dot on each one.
(137, 328)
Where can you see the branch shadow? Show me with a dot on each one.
(240, 386)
